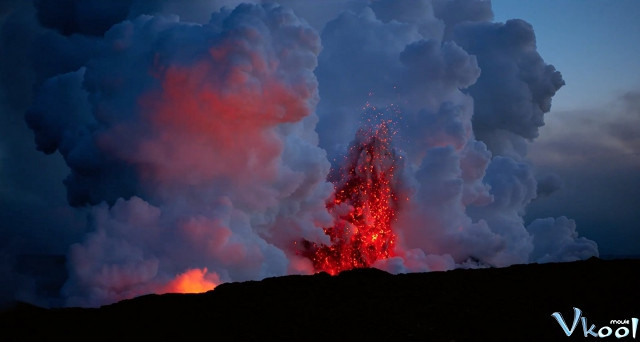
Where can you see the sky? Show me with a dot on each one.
(152, 146)
(589, 41)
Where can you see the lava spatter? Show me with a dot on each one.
(365, 205)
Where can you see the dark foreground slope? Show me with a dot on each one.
(513, 303)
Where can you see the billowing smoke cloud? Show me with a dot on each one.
(198, 141)
(557, 240)
(471, 94)
(516, 88)
(200, 146)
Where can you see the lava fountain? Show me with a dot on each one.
(364, 205)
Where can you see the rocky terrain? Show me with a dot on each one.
(513, 303)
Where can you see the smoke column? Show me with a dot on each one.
(200, 147)
(472, 94)
(194, 145)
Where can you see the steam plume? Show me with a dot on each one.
(200, 146)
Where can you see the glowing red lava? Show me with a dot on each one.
(365, 206)
(192, 281)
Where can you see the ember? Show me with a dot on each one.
(365, 205)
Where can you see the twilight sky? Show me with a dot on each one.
(589, 41)
(153, 143)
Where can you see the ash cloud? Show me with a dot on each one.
(452, 77)
(516, 86)
(197, 139)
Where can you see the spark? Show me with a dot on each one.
(366, 187)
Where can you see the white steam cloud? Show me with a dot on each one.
(201, 145)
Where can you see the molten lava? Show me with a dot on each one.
(192, 281)
(365, 206)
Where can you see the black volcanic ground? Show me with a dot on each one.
(513, 303)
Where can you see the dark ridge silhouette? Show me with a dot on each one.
(512, 304)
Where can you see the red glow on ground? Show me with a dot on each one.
(365, 204)
(192, 281)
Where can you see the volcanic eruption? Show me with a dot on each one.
(204, 150)
(365, 204)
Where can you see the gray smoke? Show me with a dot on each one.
(198, 138)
